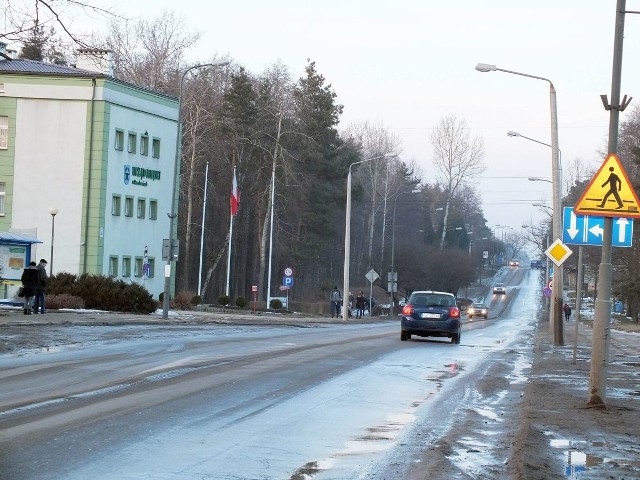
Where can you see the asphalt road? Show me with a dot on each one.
(189, 400)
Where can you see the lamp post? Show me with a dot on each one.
(173, 214)
(556, 317)
(393, 247)
(347, 229)
(204, 210)
(53, 211)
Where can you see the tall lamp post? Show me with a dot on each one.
(347, 230)
(556, 317)
(53, 211)
(393, 248)
(173, 214)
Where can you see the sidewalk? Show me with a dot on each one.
(560, 436)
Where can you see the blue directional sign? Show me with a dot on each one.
(589, 229)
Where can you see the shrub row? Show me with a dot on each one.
(101, 293)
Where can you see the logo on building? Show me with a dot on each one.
(127, 174)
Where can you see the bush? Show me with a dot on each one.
(241, 302)
(275, 304)
(103, 293)
(64, 300)
(196, 300)
(182, 301)
(224, 300)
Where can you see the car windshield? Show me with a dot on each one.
(432, 300)
(478, 305)
(500, 285)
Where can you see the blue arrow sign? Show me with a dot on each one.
(589, 230)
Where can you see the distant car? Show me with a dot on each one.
(514, 263)
(537, 264)
(499, 288)
(477, 310)
(431, 314)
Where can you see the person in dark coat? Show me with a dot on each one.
(38, 303)
(29, 285)
(360, 304)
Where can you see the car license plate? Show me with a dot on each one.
(430, 315)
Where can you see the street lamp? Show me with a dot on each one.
(53, 211)
(173, 214)
(393, 246)
(347, 229)
(556, 311)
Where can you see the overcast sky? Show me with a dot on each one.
(408, 63)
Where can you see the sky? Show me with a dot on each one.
(407, 64)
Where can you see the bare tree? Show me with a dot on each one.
(24, 17)
(457, 157)
(150, 53)
(381, 177)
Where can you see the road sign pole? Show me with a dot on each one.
(600, 337)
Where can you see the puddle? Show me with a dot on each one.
(575, 454)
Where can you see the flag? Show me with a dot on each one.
(235, 195)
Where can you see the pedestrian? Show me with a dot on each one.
(360, 304)
(350, 306)
(336, 299)
(38, 303)
(29, 286)
(567, 311)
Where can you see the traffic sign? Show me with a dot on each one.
(372, 275)
(558, 252)
(287, 281)
(589, 229)
(610, 193)
(288, 272)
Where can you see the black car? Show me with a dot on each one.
(431, 314)
(477, 310)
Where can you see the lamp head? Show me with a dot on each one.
(511, 133)
(53, 211)
(485, 67)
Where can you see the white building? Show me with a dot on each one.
(99, 151)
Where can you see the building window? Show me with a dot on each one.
(153, 209)
(144, 145)
(155, 148)
(151, 268)
(115, 205)
(126, 266)
(119, 141)
(113, 266)
(3, 187)
(142, 206)
(128, 207)
(4, 133)
(137, 271)
(132, 145)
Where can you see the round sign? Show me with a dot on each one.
(288, 272)
(550, 284)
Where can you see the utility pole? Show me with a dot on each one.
(602, 318)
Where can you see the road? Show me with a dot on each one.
(189, 402)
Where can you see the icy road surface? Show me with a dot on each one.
(246, 402)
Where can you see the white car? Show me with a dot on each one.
(514, 263)
(499, 288)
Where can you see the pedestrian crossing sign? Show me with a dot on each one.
(610, 193)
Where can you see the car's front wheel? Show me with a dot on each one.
(404, 336)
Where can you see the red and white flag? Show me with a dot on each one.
(235, 195)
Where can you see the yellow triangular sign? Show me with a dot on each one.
(610, 193)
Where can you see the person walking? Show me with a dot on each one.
(38, 303)
(567, 311)
(336, 299)
(360, 304)
(29, 285)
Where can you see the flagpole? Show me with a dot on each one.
(204, 210)
(229, 255)
(233, 210)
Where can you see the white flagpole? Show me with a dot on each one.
(204, 210)
(227, 286)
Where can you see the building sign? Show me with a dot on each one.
(12, 261)
(140, 175)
